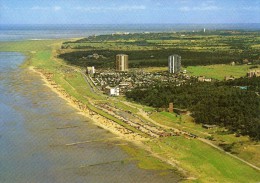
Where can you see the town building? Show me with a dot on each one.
(91, 70)
(112, 91)
(233, 63)
(174, 64)
(204, 79)
(121, 62)
(229, 78)
(125, 81)
(171, 107)
(253, 73)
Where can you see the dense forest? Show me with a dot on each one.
(252, 84)
(220, 103)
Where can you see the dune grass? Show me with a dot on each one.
(145, 160)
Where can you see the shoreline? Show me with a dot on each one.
(121, 132)
(96, 118)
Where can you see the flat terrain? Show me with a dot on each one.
(219, 71)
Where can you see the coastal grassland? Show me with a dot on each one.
(122, 106)
(241, 146)
(28, 46)
(77, 82)
(145, 159)
(183, 122)
(75, 86)
(219, 71)
(38, 53)
(204, 162)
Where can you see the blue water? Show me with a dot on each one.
(25, 32)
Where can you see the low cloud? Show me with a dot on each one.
(131, 8)
(114, 8)
(56, 8)
(209, 5)
(199, 8)
(53, 8)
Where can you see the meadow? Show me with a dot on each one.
(220, 71)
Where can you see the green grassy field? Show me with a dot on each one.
(243, 146)
(145, 160)
(203, 162)
(219, 71)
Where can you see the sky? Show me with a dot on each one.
(129, 11)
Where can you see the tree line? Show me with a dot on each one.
(151, 58)
(217, 103)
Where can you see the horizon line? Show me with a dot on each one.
(128, 23)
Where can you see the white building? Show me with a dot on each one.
(174, 63)
(121, 62)
(91, 70)
(112, 91)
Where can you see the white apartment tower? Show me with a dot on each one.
(121, 62)
(174, 63)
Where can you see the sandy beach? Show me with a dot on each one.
(97, 119)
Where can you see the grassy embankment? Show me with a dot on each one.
(204, 162)
(241, 146)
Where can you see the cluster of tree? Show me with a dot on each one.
(210, 103)
(252, 84)
(151, 58)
